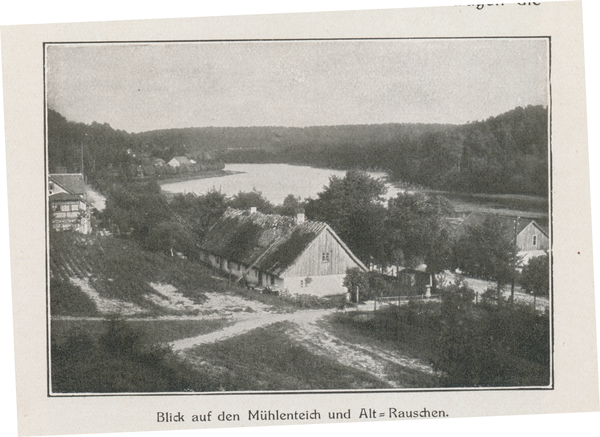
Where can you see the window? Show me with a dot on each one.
(535, 240)
(325, 257)
(301, 283)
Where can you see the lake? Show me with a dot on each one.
(274, 181)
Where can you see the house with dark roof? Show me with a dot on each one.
(68, 203)
(531, 238)
(287, 254)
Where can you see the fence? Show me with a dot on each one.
(399, 300)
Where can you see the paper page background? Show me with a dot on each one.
(71, 13)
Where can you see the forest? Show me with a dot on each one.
(506, 154)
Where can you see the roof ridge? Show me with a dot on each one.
(281, 216)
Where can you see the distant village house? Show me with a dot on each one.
(530, 238)
(179, 161)
(283, 253)
(68, 203)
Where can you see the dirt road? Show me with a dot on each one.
(391, 367)
(248, 323)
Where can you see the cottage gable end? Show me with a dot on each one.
(326, 255)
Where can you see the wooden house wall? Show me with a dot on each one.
(71, 215)
(314, 285)
(310, 263)
(525, 239)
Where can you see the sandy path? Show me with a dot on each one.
(385, 365)
(252, 321)
(380, 363)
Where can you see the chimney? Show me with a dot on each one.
(299, 217)
(252, 209)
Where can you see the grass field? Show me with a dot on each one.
(268, 359)
(155, 331)
(515, 340)
(115, 272)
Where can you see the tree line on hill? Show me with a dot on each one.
(503, 154)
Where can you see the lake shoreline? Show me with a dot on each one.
(193, 177)
(276, 181)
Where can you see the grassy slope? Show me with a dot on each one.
(156, 331)
(118, 269)
(417, 331)
(268, 359)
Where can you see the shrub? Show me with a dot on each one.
(121, 360)
(357, 281)
(67, 299)
(489, 344)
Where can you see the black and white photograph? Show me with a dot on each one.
(302, 215)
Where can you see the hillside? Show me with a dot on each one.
(503, 154)
(94, 276)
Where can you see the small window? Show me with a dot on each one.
(535, 240)
(272, 280)
(325, 257)
(301, 283)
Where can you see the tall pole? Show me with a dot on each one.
(82, 163)
(512, 285)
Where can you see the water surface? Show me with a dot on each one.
(274, 181)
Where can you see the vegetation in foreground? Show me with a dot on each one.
(156, 331)
(121, 360)
(120, 270)
(268, 359)
(489, 344)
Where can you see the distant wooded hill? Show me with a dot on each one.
(503, 154)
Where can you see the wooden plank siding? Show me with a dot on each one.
(525, 239)
(311, 263)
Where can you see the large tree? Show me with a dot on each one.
(353, 207)
(417, 231)
(535, 277)
(136, 209)
(246, 200)
(200, 211)
(488, 250)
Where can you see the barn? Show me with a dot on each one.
(288, 254)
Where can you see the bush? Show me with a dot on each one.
(491, 345)
(357, 280)
(121, 360)
(67, 299)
